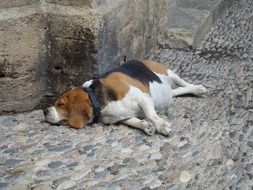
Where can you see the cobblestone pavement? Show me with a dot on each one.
(212, 145)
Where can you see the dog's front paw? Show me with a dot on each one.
(199, 90)
(149, 129)
(164, 128)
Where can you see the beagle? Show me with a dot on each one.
(132, 95)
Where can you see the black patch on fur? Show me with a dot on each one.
(136, 69)
(111, 95)
(103, 95)
(97, 88)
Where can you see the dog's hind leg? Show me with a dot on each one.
(185, 87)
(176, 79)
(197, 90)
(140, 124)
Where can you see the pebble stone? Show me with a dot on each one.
(185, 176)
(229, 162)
(212, 134)
(19, 187)
(66, 185)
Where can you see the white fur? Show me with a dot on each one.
(126, 108)
(136, 103)
(176, 80)
(87, 84)
(161, 93)
(148, 128)
(183, 86)
(53, 116)
(197, 90)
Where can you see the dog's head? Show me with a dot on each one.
(73, 106)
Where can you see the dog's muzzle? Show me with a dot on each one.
(51, 115)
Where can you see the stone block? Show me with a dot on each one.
(77, 3)
(122, 35)
(185, 21)
(21, 54)
(16, 3)
(71, 51)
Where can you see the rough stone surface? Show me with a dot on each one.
(48, 46)
(211, 148)
(20, 59)
(185, 22)
(17, 3)
(72, 49)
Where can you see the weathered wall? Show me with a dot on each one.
(21, 56)
(185, 20)
(128, 30)
(49, 45)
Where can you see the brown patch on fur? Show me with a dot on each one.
(60, 106)
(75, 107)
(156, 67)
(119, 83)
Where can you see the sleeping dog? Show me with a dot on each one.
(132, 95)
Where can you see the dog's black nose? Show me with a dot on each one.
(45, 111)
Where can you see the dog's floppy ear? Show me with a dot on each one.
(77, 121)
(79, 114)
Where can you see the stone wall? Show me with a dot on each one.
(49, 45)
(21, 55)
